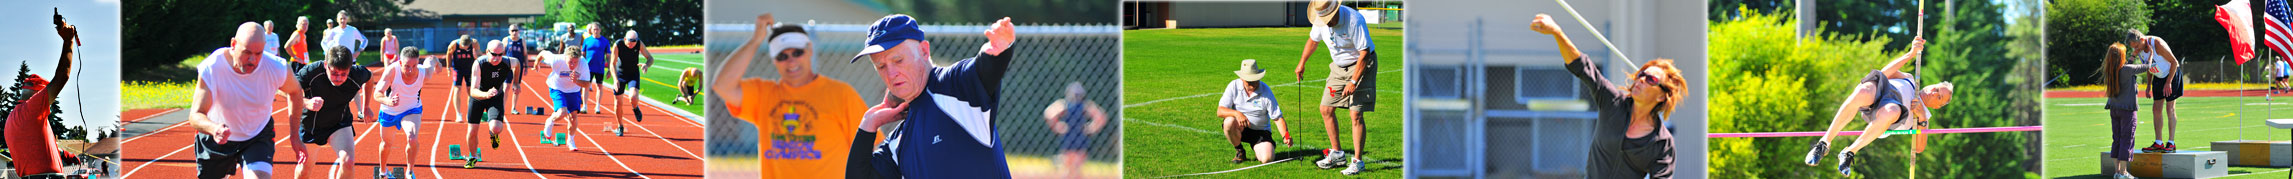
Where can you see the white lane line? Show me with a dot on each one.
(1296, 83)
(132, 171)
(672, 144)
(1151, 123)
(609, 154)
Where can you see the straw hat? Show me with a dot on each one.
(1321, 11)
(1250, 70)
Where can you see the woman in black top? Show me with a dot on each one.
(1629, 139)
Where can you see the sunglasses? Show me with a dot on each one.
(788, 54)
(1650, 79)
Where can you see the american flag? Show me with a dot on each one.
(2279, 36)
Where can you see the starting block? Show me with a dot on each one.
(392, 173)
(2257, 153)
(2180, 164)
(454, 152)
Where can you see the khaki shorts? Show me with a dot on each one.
(1364, 98)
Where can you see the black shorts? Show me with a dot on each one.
(2168, 92)
(690, 91)
(626, 84)
(596, 76)
(1254, 136)
(222, 160)
(2121, 133)
(492, 110)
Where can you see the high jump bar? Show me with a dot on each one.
(1858, 132)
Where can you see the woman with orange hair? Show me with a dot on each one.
(1887, 99)
(1629, 140)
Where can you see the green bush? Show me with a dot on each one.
(1775, 80)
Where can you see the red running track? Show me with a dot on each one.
(663, 146)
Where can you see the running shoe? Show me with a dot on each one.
(497, 139)
(1352, 169)
(2154, 148)
(1846, 163)
(618, 130)
(470, 164)
(2122, 176)
(1815, 153)
(545, 138)
(1331, 158)
(2170, 147)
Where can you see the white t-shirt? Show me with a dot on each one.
(242, 101)
(1346, 38)
(409, 95)
(271, 42)
(345, 36)
(562, 72)
(1258, 108)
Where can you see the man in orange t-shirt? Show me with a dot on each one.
(794, 115)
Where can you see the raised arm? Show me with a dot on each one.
(1544, 24)
(1586, 72)
(726, 84)
(1894, 69)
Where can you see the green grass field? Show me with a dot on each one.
(2078, 130)
(660, 82)
(1171, 77)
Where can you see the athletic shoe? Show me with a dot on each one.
(1352, 169)
(470, 164)
(497, 139)
(1331, 158)
(640, 115)
(2170, 147)
(1815, 153)
(2154, 148)
(2122, 176)
(545, 138)
(618, 130)
(1846, 163)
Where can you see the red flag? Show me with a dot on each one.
(2236, 17)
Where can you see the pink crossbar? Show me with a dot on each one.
(1853, 133)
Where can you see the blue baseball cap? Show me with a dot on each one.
(889, 32)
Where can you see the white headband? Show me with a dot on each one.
(786, 41)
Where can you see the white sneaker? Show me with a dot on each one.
(1815, 153)
(1351, 169)
(1333, 158)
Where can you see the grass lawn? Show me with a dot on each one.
(1171, 78)
(2078, 130)
(660, 82)
(147, 95)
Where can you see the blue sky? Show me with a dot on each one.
(31, 39)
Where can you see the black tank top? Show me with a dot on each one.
(492, 76)
(462, 57)
(628, 55)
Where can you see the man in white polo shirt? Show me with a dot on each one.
(1352, 79)
(1246, 108)
(232, 107)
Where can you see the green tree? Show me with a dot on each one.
(2078, 32)
(660, 21)
(1768, 63)
(164, 32)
